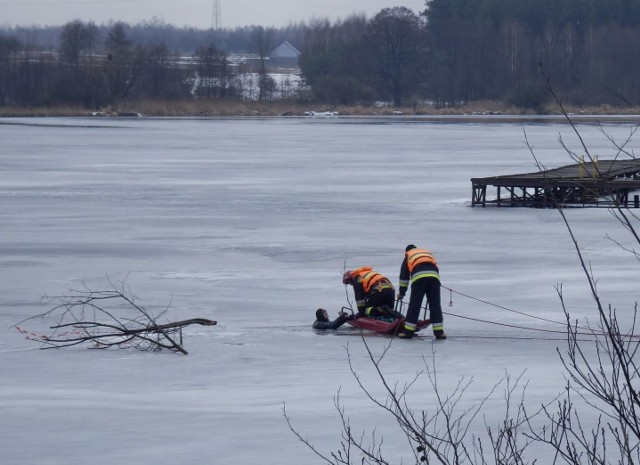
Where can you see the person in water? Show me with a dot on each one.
(323, 321)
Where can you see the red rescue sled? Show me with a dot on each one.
(384, 326)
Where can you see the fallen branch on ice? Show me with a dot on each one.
(106, 319)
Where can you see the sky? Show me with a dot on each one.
(196, 13)
(251, 222)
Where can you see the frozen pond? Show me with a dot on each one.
(250, 222)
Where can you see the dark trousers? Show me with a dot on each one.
(384, 298)
(420, 288)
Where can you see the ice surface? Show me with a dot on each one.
(250, 222)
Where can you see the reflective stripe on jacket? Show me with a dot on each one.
(417, 256)
(417, 264)
(371, 279)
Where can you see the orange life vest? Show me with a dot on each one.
(368, 277)
(417, 256)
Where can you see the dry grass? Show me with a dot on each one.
(225, 108)
(43, 111)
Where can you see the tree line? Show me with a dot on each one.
(458, 51)
(452, 52)
(96, 66)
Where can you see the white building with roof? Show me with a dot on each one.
(284, 55)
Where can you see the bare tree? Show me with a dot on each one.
(336, 61)
(77, 39)
(440, 435)
(157, 71)
(213, 71)
(8, 49)
(76, 79)
(397, 36)
(608, 384)
(264, 41)
(122, 66)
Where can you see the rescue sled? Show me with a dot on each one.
(384, 326)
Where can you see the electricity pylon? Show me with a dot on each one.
(216, 16)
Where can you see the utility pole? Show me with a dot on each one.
(216, 16)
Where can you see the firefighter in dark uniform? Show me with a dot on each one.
(420, 267)
(374, 293)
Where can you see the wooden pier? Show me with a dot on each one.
(599, 183)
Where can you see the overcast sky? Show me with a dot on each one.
(197, 13)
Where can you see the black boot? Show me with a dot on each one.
(406, 334)
(439, 334)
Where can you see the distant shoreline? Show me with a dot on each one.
(476, 111)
